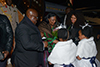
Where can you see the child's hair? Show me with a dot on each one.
(63, 33)
(87, 31)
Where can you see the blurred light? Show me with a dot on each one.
(24, 2)
(23, 14)
(27, 5)
(37, 2)
(34, 0)
(41, 18)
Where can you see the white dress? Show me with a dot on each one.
(64, 52)
(87, 49)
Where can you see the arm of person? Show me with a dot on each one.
(9, 37)
(50, 39)
(5, 54)
(30, 42)
(45, 44)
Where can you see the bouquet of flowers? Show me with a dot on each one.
(54, 32)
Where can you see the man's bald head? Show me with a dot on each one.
(32, 14)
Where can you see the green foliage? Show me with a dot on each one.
(55, 33)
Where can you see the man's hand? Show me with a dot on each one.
(5, 54)
(45, 44)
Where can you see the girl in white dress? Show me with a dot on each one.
(64, 52)
(86, 51)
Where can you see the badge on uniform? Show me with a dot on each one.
(5, 11)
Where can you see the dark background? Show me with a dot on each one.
(90, 8)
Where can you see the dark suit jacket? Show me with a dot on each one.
(62, 19)
(6, 34)
(29, 46)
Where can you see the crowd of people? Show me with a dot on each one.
(47, 45)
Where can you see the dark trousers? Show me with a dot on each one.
(3, 63)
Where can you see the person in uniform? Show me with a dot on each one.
(6, 39)
(11, 12)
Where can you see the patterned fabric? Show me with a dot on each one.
(46, 54)
(50, 40)
(12, 14)
(46, 28)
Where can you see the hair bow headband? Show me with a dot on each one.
(86, 24)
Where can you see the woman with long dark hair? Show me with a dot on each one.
(75, 19)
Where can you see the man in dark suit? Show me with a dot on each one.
(63, 18)
(29, 46)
